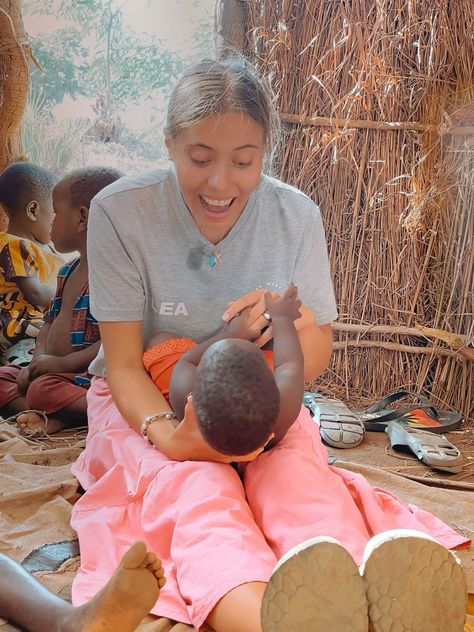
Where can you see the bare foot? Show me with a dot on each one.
(126, 599)
(37, 424)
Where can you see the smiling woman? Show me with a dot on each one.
(218, 164)
(177, 251)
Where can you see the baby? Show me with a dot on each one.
(240, 404)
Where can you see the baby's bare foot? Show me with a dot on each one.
(126, 599)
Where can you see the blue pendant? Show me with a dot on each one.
(212, 260)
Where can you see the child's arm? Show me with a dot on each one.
(35, 292)
(288, 359)
(184, 373)
(76, 361)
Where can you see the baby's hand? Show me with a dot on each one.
(239, 327)
(287, 305)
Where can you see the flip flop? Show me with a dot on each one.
(339, 427)
(422, 414)
(432, 449)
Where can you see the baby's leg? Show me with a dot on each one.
(125, 600)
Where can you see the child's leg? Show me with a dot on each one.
(12, 401)
(125, 600)
(60, 398)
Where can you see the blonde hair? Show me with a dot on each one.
(214, 87)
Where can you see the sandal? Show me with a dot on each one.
(432, 449)
(339, 427)
(26, 432)
(421, 414)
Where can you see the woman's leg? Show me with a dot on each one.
(295, 495)
(239, 610)
(120, 605)
(194, 515)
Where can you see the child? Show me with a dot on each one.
(239, 404)
(28, 263)
(68, 341)
(121, 605)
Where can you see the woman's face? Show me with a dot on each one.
(218, 164)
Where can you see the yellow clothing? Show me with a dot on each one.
(22, 258)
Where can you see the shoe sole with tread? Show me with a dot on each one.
(315, 587)
(414, 584)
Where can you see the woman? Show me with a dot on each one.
(172, 251)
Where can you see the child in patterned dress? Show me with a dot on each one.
(28, 263)
(51, 391)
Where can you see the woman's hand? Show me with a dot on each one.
(255, 302)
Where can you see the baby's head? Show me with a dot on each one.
(72, 197)
(235, 397)
(26, 196)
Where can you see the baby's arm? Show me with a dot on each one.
(288, 359)
(184, 373)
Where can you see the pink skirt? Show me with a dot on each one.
(213, 531)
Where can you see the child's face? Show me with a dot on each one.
(44, 215)
(64, 234)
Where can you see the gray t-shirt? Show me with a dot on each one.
(149, 262)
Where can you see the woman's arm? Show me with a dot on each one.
(137, 397)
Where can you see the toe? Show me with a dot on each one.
(135, 555)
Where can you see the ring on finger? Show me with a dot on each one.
(267, 316)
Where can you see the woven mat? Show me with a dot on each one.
(37, 491)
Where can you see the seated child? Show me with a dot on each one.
(28, 263)
(55, 382)
(240, 405)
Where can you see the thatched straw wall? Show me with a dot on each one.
(378, 103)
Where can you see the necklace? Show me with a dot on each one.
(215, 256)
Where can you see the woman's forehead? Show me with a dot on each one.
(230, 130)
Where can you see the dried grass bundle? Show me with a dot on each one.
(378, 103)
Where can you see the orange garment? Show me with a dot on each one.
(161, 359)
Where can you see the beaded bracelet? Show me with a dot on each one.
(151, 419)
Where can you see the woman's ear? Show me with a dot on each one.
(32, 210)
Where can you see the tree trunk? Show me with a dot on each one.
(230, 27)
(14, 82)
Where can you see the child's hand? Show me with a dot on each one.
(23, 379)
(239, 327)
(45, 364)
(287, 305)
